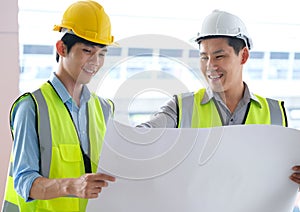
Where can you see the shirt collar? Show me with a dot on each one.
(64, 94)
(251, 95)
(209, 94)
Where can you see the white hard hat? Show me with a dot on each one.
(221, 23)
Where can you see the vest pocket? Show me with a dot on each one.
(67, 161)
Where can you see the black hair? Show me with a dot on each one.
(236, 43)
(70, 40)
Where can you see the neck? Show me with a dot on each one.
(73, 88)
(232, 97)
(75, 92)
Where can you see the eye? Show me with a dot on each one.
(102, 54)
(203, 57)
(87, 50)
(219, 56)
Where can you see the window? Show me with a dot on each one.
(255, 65)
(37, 49)
(171, 52)
(114, 51)
(139, 51)
(194, 53)
(279, 64)
(296, 67)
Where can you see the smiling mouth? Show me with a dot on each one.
(91, 71)
(215, 76)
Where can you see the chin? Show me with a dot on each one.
(84, 81)
(217, 88)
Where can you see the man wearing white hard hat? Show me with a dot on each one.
(224, 45)
(58, 130)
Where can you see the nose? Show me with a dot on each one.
(211, 64)
(95, 60)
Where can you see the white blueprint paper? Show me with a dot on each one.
(230, 169)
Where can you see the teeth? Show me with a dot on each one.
(214, 77)
(89, 71)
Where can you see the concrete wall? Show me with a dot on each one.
(9, 80)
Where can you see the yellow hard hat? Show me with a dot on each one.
(88, 20)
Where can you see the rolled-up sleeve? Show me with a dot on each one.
(25, 147)
(166, 117)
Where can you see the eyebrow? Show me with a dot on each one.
(215, 52)
(104, 49)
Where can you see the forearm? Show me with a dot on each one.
(159, 120)
(44, 188)
(87, 186)
(165, 118)
(25, 154)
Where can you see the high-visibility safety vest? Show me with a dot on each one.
(61, 155)
(193, 114)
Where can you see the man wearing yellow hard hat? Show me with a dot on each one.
(58, 129)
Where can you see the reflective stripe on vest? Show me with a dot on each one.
(191, 110)
(11, 199)
(10, 203)
(44, 133)
(9, 207)
(60, 147)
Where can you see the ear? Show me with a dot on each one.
(245, 55)
(61, 48)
